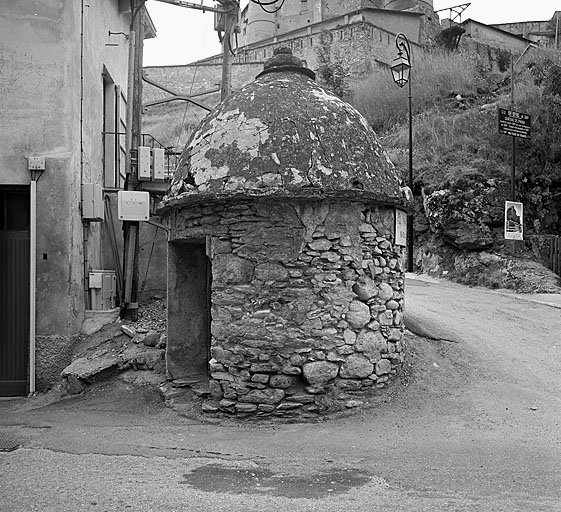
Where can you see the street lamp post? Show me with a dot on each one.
(401, 71)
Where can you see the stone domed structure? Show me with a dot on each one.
(284, 136)
(285, 280)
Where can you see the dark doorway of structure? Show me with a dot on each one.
(189, 282)
(14, 290)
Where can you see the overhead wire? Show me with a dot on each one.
(191, 89)
(266, 3)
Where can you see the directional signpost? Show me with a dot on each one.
(516, 125)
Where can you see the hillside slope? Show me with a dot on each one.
(462, 166)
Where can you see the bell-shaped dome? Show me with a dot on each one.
(284, 136)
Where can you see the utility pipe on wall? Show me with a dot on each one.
(32, 279)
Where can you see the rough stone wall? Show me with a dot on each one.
(488, 57)
(307, 303)
(196, 78)
(494, 38)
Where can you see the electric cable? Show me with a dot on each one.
(149, 260)
(263, 4)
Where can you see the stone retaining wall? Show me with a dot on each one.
(307, 302)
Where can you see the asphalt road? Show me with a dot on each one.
(474, 424)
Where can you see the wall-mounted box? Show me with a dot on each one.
(36, 163)
(144, 161)
(92, 202)
(103, 289)
(158, 163)
(133, 206)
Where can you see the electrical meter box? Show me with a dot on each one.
(158, 159)
(144, 161)
(133, 206)
(103, 289)
(92, 202)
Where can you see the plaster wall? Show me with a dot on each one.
(400, 5)
(39, 106)
(256, 24)
(334, 8)
(542, 32)
(40, 112)
(524, 28)
(296, 14)
(100, 60)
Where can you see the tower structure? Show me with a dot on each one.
(403, 5)
(260, 25)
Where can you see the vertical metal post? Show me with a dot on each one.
(398, 67)
(513, 172)
(410, 237)
(133, 129)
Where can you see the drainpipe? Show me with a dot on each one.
(85, 227)
(32, 280)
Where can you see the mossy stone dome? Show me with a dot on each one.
(284, 136)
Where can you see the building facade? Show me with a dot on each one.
(546, 33)
(256, 24)
(63, 82)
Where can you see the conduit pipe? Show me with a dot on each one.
(32, 279)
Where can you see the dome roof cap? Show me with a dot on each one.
(284, 60)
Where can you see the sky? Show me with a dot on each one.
(186, 35)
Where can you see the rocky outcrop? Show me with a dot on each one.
(464, 215)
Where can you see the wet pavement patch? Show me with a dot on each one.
(8, 442)
(235, 480)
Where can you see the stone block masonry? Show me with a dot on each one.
(307, 302)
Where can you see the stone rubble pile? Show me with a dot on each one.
(119, 347)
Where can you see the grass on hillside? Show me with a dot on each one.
(434, 77)
(454, 138)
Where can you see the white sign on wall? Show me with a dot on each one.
(514, 221)
(400, 228)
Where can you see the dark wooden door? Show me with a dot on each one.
(14, 291)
